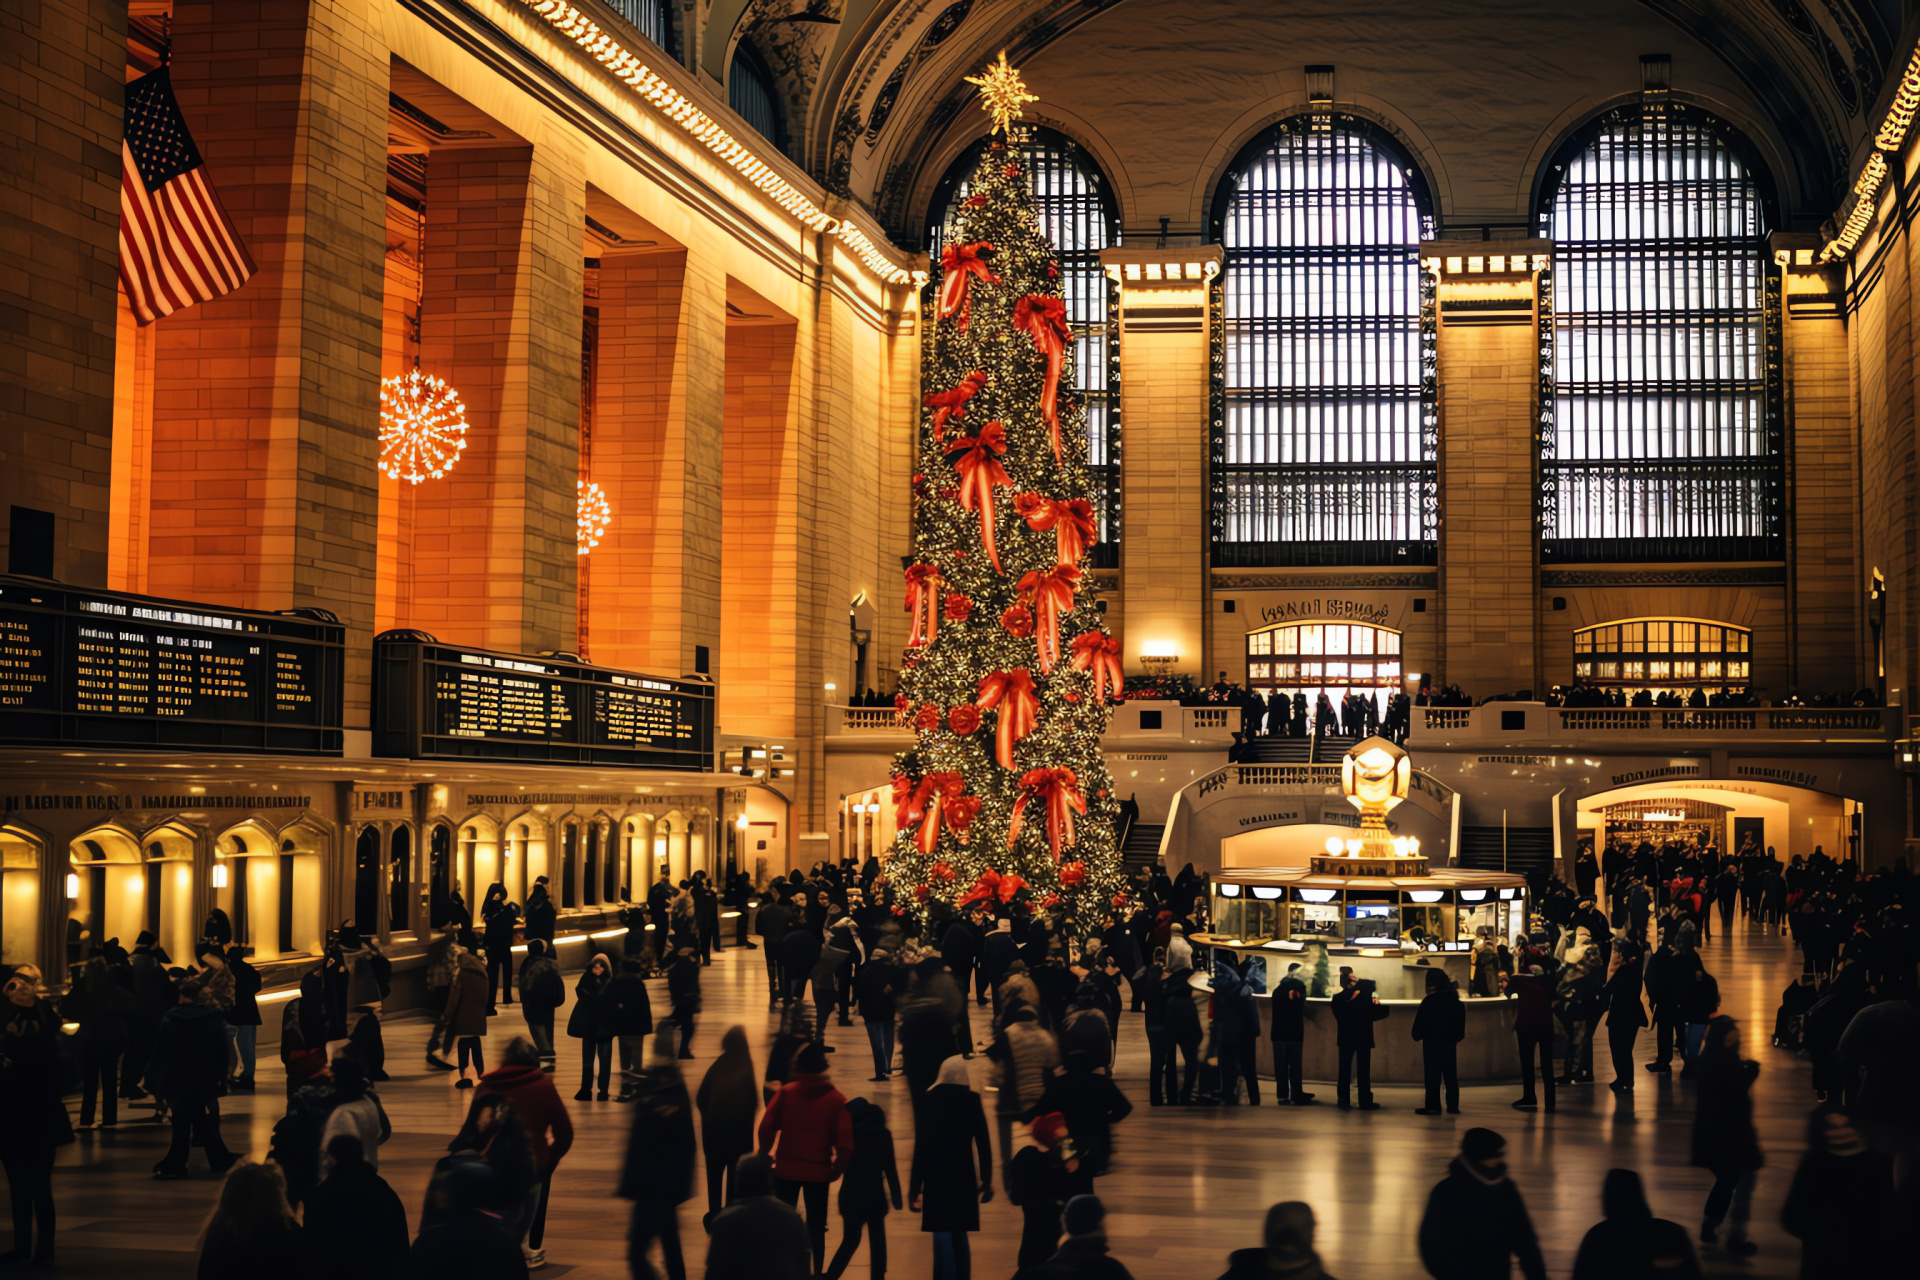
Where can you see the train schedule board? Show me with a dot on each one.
(434, 701)
(108, 669)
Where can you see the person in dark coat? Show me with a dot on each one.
(758, 1236)
(871, 1183)
(728, 1099)
(1288, 1034)
(542, 992)
(1630, 1243)
(1476, 1224)
(1286, 1252)
(33, 1119)
(543, 918)
(1236, 1021)
(499, 918)
(1082, 1254)
(460, 1236)
(1725, 1142)
(467, 1012)
(658, 1172)
(1091, 1104)
(771, 922)
(874, 988)
(630, 1017)
(153, 995)
(1625, 1014)
(189, 1061)
(1440, 1026)
(1532, 993)
(1842, 1206)
(1041, 1178)
(591, 1024)
(683, 993)
(354, 1222)
(243, 1018)
(960, 948)
(1355, 1009)
(998, 951)
(952, 1171)
(1183, 1034)
(929, 1013)
(252, 1232)
(100, 1005)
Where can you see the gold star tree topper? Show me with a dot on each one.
(1002, 93)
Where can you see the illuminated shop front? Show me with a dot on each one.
(1333, 658)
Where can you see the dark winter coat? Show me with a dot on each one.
(1441, 1021)
(1091, 1103)
(32, 1117)
(728, 1099)
(471, 1245)
(100, 1005)
(1289, 1011)
(873, 1178)
(1622, 997)
(997, 953)
(945, 1176)
(1844, 1211)
(1630, 1243)
(1183, 1015)
(542, 917)
(1079, 1258)
(356, 1225)
(960, 946)
(590, 1018)
(283, 1251)
(683, 987)
(629, 1008)
(799, 952)
(1039, 1183)
(757, 1236)
(875, 987)
(1724, 1139)
(467, 997)
(246, 991)
(542, 989)
(1473, 1229)
(189, 1058)
(659, 1164)
(1354, 1013)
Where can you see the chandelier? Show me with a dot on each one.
(594, 516)
(423, 427)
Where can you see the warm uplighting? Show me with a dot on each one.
(1334, 846)
(423, 427)
(219, 875)
(741, 822)
(1229, 890)
(594, 516)
(73, 886)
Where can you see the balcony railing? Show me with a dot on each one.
(1525, 723)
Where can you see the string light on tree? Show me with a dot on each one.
(423, 427)
(595, 516)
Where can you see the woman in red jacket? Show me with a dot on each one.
(810, 1135)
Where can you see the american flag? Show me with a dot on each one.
(176, 245)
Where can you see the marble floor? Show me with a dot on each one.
(1188, 1186)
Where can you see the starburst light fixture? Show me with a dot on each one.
(423, 427)
(595, 516)
(1002, 93)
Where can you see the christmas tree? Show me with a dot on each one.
(1009, 674)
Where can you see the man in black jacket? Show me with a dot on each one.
(775, 918)
(1289, 1034)
(543, 917)
(960, 948)
(658, 1173)
(997, 952)
(1355, 1010)
(758, 1236)
(799, 953)
(1476, 1222)
(189, 1061)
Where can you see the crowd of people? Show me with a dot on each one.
(1030, 1002)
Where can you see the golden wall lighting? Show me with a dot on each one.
(423, 427)
(594, 518)
(219, 875)
(1906, 100)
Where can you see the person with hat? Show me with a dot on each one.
(1355, 1009)
(1476, 1224)
(872, 1182)
(1040, 1179)
(1286, 1251)
(1082, 1255)
(543, 918)
(809, 1134)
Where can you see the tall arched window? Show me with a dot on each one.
(652, 18)
(1077, 213)
(1665, 441)
(751, 93)
(1324, 434)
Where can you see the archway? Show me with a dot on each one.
(21, 855)
(1332, 658)
(1791, 820)
(107, 893)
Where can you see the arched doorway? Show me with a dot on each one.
(1334, 658)
(21, 853)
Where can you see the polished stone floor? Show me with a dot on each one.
(1188, 1186)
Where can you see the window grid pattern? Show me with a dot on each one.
(1662, 655)
(751, 94)
(651, 18)
(1665, 441)
(1326, 431)
(1331, 658)
(1074, 215)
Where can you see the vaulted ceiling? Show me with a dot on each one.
(1162, 92)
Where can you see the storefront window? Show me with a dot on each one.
(1273, 665)
(1681, 655)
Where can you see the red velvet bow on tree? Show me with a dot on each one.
(923, 602)
(988, 887)
(979, 469)
(948, 802)
(1099, 656)
(1071, 520)
(1012, 692)
(1049, 594)
(1059, 791)
(959, 264)
(952, 403)
(1073, 874)
(1046, 320)
(909, 800)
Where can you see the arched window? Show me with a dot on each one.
(750, 93)
(652, 18)
(1665, 441)
(1665, 659)
(1324, 436)
(1078, 216)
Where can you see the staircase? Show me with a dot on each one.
(1278, 751)
(1331, 749)
(1142, 848)
(1529, 849)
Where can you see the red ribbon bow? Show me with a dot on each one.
(979, 469)
(909, 800)
(1011, 691)
(959, 264)
(989, 886)
(1099, 656)
(923, 602)
(946, 801)
(1046, 320)
(952, 403)
(1049, 594)
(1071, 520)
(1059, 791)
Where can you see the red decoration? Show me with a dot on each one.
(975, 201)
(1045, 320)
(1010, 171)
(923, 602)
(952, 403)
(1059, 791)
(1072, 522)
(900, 705)
(929, 718)
(1120, 901)
(964, 719)
(1051, 901)
(980, 473)
(1073, 874)
(959, 607)
(985, 889)
(1010, 885)
(920, 894)
(940, 871)
(1050, 594)
(1012, 693)
(1099, 656)
(909, 800)
(959, 264)
(1018, 620)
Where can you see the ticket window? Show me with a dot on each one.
(1314, 920)
(479, 862)
(107, 895)
(1239, 914)
(1425, 923)
(168, 896)
(19, 898)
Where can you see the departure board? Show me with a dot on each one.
(115, 670)
(435, 701)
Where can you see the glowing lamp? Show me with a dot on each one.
(741, 822)
(1334, 846)
(1473, 895)
(73, 886)
(1316, 895)
(593, 517)
(219, 875)
(1353, 848)
(1426, 895)
(423, 427)
(1229, 890)
(1267, 893)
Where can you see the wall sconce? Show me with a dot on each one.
(741, 822)
(73, 886)
(219, 875)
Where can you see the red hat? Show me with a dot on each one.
(1049, 1129)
